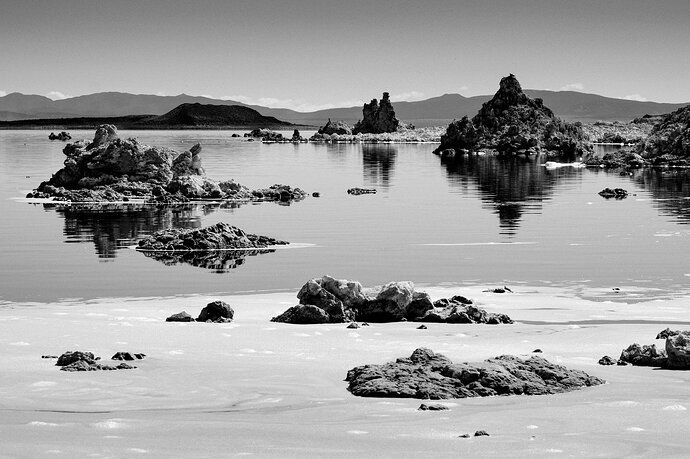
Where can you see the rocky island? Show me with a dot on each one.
(109, 169)
(512, 123)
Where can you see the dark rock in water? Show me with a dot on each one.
(481, 433)
(353, 325)
(303, 314)
(618, 193)
(235, 135)
(422, 327)
(127, 356)
(49, 356)
(606, 360)
(390, 304)
(418, 306)
(357, 191)
(512, 123)
(335, 127)
(668, 333)
(216, 311)
(432, 407)
(619, 159)
(495, 290)
(460, 310)
(296, 137)
(220, 236)
(645, 356)
(180, 317)
(76, 356)
(316, 194)
(377, 118)
(63, 136)
(364, 324)
(621, 363)
(428, 375)
(678, 351)
(281, 193)
(537, 351)
(464, 436)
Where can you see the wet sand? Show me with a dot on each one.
(254, 387)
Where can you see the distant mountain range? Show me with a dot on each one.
(570, 105)
(184, 116)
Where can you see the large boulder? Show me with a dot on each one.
(377, 117)
(390, 304)
(512, 123)
(216, 311)
(678, 351)
(644, 356)
(303, 314)
(427, 375)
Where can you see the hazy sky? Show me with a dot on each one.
(308, 54)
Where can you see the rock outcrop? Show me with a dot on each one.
(427, 375)
(111, 169)
(220, 236)
(63, 136)
(335, 127)
(377, 117)
(328, 300)
(669, 141)
(512, 123)
(127, 356)
(668, 333)
(86, 361)
(643, 356)
(678, 351)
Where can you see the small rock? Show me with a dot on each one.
(432, 407)
(353, 325)
(607, 360)
(464, 436)
(316, 194)
(127, 356)
(180, 317)
(357, 191)
(537, 351)
(422, 327)
(216, 311)
(364, 324)
(617, 193)
(481, 433)
(49, 356)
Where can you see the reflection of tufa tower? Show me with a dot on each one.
(378, 162)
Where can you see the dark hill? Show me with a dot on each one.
(199, 115)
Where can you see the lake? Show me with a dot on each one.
(475, 221)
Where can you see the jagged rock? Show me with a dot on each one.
(481, 433)
(335, 127)
(85, 361)
(390, 304)
(432, 407)
(618, 193)
(127, 356)
(678, 351)
(63, 136)
(216, 311)
(428, 375)
(668, 333)
(220, 236)
(303, 314)
(512, 123)
(296, 137)
(357, 191)
(180, 317)
(418, 306)
(377, 118)
(460, 310)
(422, 327)
(645, 356)
(606, 360)
(76, 356)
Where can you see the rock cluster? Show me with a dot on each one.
(377, 117)
(667, 333)
(329, 300)
(220, 236)
(112, 169)
(427, 375)
(675, 355)
(215, 312)
(63, 136)
(512, 123)
(86, 361)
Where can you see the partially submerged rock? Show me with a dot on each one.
(432, 407)
(180, 317)
(85, 361)
(512, 123)
(377, 117)
(344, 301)
(645, 356)
(63, 136)
(127, 356)
(220, 236)
(112, 169)
(427, 375)
(617, 193)
(335, 127)
(217, 312)
(607, 360)
(357, 191)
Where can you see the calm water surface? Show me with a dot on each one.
(480, 220)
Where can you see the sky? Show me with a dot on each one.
(313, 54)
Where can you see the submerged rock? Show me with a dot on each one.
(216, 311)
(220, 236)
(512, 123)
(377, 118)
(428, 375)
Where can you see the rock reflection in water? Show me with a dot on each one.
(670, 190)
(112, 227)
(510, 187)
(220, 261)
(378, 163)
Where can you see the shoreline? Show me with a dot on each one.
(201, 380)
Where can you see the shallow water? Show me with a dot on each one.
(477, 221)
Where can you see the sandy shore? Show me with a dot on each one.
(258, 388)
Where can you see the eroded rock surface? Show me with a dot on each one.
(644, 356)
(678, 351)
(180, 317)
(512, 123)
(427, 375)
(377, 117)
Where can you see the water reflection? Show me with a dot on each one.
(670, 190)
(378, 163)
(114, 226)
(220, 261)
(510, 187)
